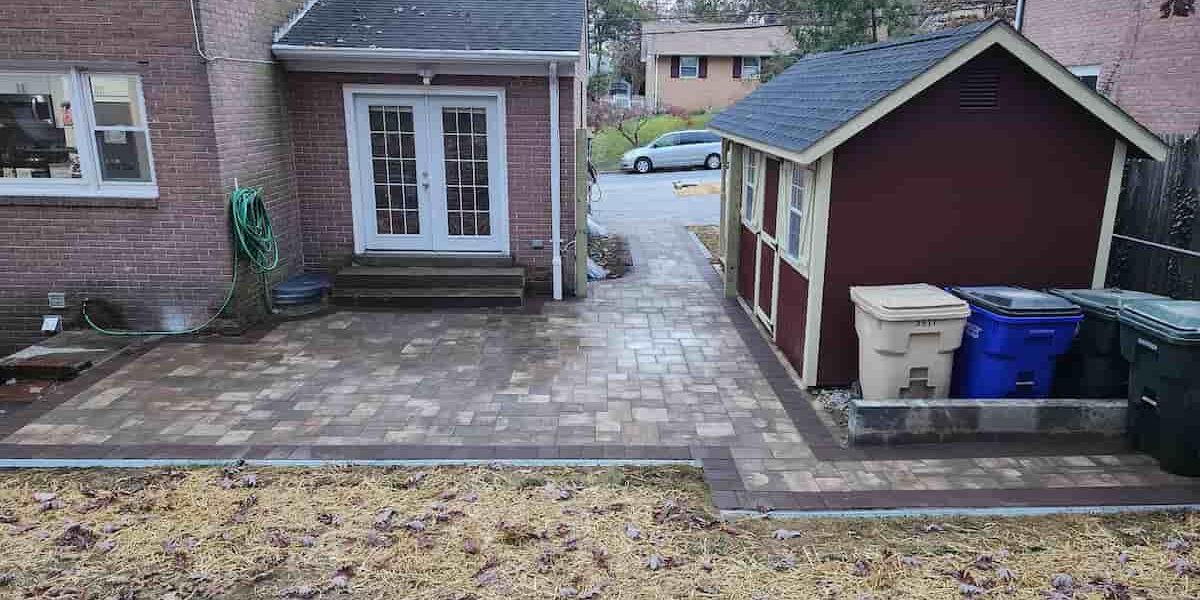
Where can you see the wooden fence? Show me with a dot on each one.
(1156, 246)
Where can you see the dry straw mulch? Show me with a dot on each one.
(460, 533)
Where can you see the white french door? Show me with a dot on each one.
(430, 173)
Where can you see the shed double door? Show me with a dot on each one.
(766, 254)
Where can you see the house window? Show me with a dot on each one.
(797, 211)
(73, 134)
(689, 67)
(1088, 74)
(751, 66)
(749, 185)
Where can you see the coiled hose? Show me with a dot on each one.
(254, 238)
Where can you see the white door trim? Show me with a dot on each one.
(354, 162)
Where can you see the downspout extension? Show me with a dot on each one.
(555, 184)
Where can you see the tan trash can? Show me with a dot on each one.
(907, 335)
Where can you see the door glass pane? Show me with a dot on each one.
(394, 165)
(465, 140)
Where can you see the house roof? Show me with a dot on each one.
(511, 26)
(714, 39)
(825, 99)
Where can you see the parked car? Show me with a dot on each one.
(695, 148)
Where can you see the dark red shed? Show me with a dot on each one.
(966, 156)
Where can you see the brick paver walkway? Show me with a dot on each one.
(654, 359)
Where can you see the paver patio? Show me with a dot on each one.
(654, 359)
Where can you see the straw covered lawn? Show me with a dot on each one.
(489, 532)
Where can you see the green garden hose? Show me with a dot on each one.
(254, 238)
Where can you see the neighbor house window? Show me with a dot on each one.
(73, 134)
(1088, 74)
(749, 184)
(751, 67)
(689, 67)
(797, 211)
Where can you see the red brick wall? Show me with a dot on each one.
(322, 170)
(1148, 63)
(165, 262)
(250, 119)
(935, 194)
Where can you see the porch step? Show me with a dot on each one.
(430, 277)
(429, 260)
(435, 297)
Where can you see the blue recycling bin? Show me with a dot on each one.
(1011, 342)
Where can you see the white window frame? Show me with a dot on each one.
(800, 259)
(757, 69)
(90, 184)
(1082, 71)
(751, 160)
(695, 67)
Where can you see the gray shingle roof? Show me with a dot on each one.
(529, 25)
(819, 93)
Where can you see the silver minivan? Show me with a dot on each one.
(693, 148)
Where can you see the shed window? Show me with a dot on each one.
(749, 185)
(689, 67)
(1088, 74)
(67, 133)
(797, 211)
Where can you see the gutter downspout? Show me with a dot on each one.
(555, 184)
(1020, 19)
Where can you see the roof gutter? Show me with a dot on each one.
(291, 52)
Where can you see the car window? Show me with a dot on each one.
(666, 141)
(701, 137)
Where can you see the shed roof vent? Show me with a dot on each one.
(979, 90)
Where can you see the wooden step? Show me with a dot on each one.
(429, 277)
(432, 297)
(430, 260)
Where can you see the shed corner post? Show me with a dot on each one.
(582, 200)
(731, 184)
(1108, 221)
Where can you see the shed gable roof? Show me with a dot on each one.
(823, 100)
(451, 25)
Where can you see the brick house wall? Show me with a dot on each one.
(323, 173)
(1148, 64)
(165, 262)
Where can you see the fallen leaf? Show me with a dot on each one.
(329, 519)
(862, 568)
(78, 537)
(415, 525)
(378, 540)
(910, 561)
(568, 592)
(7, 579)
(106, 546)
(708, 590)
(785, 534)
(277, 538)
(303, 592)
(44, 496)
(1178, 546)
(383, 518)
(600, 557)
(632, 532)
(471, 546)
(969, 591)
(487, 575)
(1005, 574)
(470, 497)
(1123, 558)
(1062, 582)
(934, 528)
(655, 562)
(415, 479)
(783, 562)
(591, 593)
(308, 541)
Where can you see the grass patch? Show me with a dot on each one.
(608, 145)
(710, 236)
(505, 533)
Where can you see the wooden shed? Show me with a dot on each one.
(966, 156)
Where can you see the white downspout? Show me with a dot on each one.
(555, 184)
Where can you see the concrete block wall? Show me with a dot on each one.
(1148, 63)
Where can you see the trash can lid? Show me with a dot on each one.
(1177, 320)
(908, 302)
(304, 283)
(1104, 302)
(1016, 302)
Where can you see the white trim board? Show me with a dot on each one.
(1108, 222)
(823, 182)
(1003, 35)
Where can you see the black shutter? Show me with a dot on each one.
(737, 67)
(703, 67)
(674, 67)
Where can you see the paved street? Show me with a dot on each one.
(653, 359)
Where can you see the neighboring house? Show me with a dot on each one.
(1145, 63)
(373, 129)
(697, 66)
(966, 156)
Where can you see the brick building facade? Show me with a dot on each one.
(218, 107)
(1145, 63)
